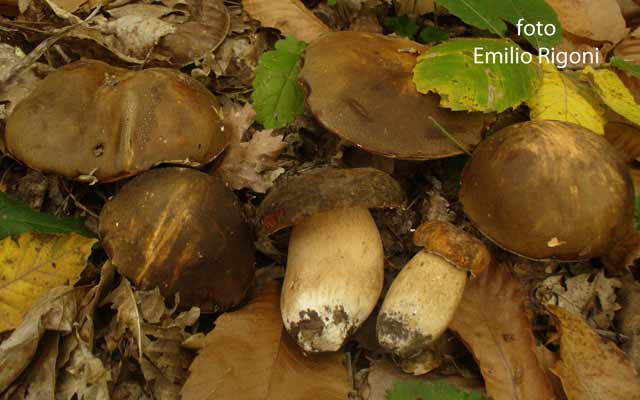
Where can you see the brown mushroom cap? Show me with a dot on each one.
(92, 118)
(194, 39)
(326, 189)
(180, 230)
(548, 190)
(360, 87)
(453, 244)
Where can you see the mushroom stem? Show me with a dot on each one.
(420, 304)
(334, 277)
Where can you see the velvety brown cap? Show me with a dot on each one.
(360, 87)
(183, 231)
(89, 118)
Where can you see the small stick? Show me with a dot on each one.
(450, 136)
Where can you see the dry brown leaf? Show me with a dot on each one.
(55, 311)
(599, 20)
(249, 356)
(414, 7)
(589, 368)
(628, 319)
(589, 295)
(623, 135)
(492, 322)
(250, 164)
(291, 17)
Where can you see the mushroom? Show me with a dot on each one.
(183, 231)
(549, 190)
(111, 123)
(372, 100)
(335, 265)
(423, 298)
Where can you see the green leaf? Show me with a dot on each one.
(332, 2)
(420, 390)
(637, 214)
(430, 34)
(278, 97)
(491, 15)
(402, 26)
(16, 218)
(626, 66)
(466, 83)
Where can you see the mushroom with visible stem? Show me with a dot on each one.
(550, 190)
(423, 298)
(335, 266)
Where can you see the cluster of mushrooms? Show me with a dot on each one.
(543, 190)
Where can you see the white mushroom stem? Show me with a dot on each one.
(334, 277)
(420, 304)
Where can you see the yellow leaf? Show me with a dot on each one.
(31, 264)
(559, 98)
(614, 93)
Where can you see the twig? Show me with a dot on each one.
(36, 53)
(450, 136)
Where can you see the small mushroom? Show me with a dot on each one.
(335, 265)
(423, 298)
(180, 230)
(549, 190)
(111, 123)
(372, 100)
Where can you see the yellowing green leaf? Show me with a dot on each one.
(614, 93)
(559, 98)
(466, 81)
(31, 264)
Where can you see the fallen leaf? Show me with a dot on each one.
(414, 7)
(599, 20)
(591, 295)
(55, 311)
(492, 322)
(252, 164)
(249, 356)
(624, 136)
(31, 264)
(614, 93)
(291, 17)
(410, 390)
(382, 375)
(278, 96)
(559, 98)
(590, 368)
(452, 71)
(628, 318)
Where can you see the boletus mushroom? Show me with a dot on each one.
(423, 298)
(111, 123)
(183, 231)
(549, 190)
(335, 262)
(372, 100)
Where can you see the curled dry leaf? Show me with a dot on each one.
(493, 324)
(291, 17)
(31, 264)
(590, 295)
(55, 311)
(250, 164)
(628, 319)
(599, 20)
(249, 356)
(590, 368)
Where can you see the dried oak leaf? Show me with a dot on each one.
(249, 356)
(492, 322)
(589, 368)
(291, 17)
(55, 311)
(590, 295)
(628, 318)
(250, 164)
